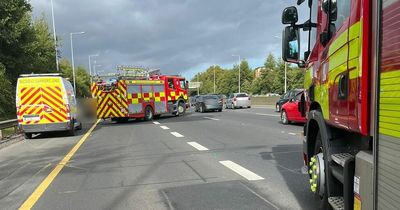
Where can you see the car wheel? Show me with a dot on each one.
(219, 110)
(28, 135)
(284, 118)
(181, 109)
(148, 115)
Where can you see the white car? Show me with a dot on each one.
(238, 100)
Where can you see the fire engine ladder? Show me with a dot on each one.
(342, 169)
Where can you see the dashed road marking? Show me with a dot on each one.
(210, 118)
(293, 134)
(197, 146)
(176, 134)
(164, 127)
(241, 171)
(271, 115)
(155, 122)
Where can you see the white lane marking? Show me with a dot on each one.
(197, 146)
(240, 170)
(210, 118)
(293, 134)
(155, 122)
(271, 115)
(176, 134)
(164, 127)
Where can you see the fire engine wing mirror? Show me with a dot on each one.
(330, 8)
(291, 44)
(289, 15)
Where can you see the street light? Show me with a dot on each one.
(90, 66)
(239, 69)
(72, 57)
(276, 36)
(54, 35)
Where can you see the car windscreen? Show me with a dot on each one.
(241, 95)
(211, 97)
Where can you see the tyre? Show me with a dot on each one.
(249, 107)
(181, 109)
(201, 109)
(321, 187)
(28, 135)
(148, 113)
(284, 118)
(219, 110)
(277, 108)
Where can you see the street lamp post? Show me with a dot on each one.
(54, 35)
(72, 58)
(214, 78)
(276, 36)
(239, 69)
(90, 66)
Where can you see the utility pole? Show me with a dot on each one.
(198, 85)
(239, 69)
(54, 35)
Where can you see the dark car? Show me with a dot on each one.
(286, 97)
(208, 103)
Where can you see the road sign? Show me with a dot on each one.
(194, 85)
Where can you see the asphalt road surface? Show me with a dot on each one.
(235, 159)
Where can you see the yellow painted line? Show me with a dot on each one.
(34, 197)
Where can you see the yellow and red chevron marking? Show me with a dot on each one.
(109, 106)
(34, 100)
(94, 89)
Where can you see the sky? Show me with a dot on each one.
(177, 36)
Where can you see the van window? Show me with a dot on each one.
(241, 95)
(182, 83)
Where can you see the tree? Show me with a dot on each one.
(82, 78)
(7, 101)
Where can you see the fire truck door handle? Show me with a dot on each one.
(342, 87)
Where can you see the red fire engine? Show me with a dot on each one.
(352, 100)
(138, 93)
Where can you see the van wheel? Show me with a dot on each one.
(28, 135)
(148, 115)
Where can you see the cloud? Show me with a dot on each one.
(177, 36)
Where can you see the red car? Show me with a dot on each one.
(290, 111)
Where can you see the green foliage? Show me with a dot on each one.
(271, 80)
(7, 101)
(82, 78)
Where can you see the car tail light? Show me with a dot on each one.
(234, 99)
(249, 98)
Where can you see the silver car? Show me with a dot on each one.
(208, 103)
(238, 100)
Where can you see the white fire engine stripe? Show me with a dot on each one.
(197, 146)
(164, 127)
(240, 170)
(210, 118)
(155, 122)
(176, 134)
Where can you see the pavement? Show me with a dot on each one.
(235, 159)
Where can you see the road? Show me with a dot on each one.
(235, 159)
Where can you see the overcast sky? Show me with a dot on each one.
(177, 36)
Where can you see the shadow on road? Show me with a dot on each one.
(289, 160)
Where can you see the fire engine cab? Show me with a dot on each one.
(139, 93)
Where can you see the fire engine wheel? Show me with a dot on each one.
(181, 109)
(284, 118)
(317, 173)
(148, 115)
(28, 135)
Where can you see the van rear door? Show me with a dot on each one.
(40, 100)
